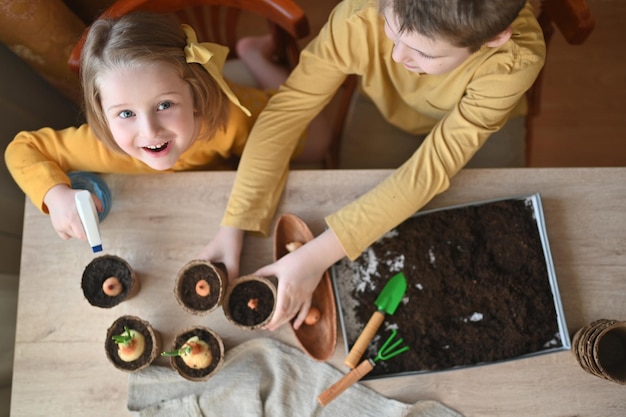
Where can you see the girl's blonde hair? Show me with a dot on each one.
(136, 40)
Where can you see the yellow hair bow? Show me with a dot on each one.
(212, 57)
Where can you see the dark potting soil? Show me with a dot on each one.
(478, 288)
(97, 271)
(214, 347)
(117, 328)
(242, 294)
(187, 289)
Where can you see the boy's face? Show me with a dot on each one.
(420, 54)
(150, 113)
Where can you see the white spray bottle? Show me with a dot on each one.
(89, 218)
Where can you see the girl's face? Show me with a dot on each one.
(150, 113)
(420, 54)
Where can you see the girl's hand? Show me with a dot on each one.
(299, 273)
(225, 248)
(63, 214)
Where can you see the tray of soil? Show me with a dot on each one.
(197, 353)
(318, 334)
(481, 288)
(108, 280)
(199, 287)
(250, 301)
(132, 344)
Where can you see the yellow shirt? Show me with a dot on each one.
(459, 110)
(40, 160)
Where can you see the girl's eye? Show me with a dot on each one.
(165, 105)
(125, 114)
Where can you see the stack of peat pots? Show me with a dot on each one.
(600, 348)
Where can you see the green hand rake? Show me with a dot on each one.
(387, 351)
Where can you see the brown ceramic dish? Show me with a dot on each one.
(152, 343)
(216, 346)
(189, 277)
(250, 301)
(98, 271)
(320, 339)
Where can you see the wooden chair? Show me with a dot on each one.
(574, 21)
(217, 21)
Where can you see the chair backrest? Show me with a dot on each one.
(217, 21)
(574, 21)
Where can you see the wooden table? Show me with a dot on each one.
(160, 222)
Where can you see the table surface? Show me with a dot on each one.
(159, 222)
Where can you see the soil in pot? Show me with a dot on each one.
(199, 287)
(216, 347)
(152, 346)
(108, 280)
(478, 288)
(250, 301)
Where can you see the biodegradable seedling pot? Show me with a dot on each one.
(108, 280)
(250, 301)
(318, 334)
(215, 348)
(600, 348)
(120, 329)
(199, 287)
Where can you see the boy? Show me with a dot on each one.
(454, 69)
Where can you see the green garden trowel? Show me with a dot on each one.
(387, 303)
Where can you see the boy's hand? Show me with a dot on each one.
(225, 248)
(297, 279)
(63, 214)
(299, 273)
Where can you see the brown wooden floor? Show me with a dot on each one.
(584, 96)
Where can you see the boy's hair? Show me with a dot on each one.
(139, 39)
(462, 23)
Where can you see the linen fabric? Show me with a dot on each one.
(458, 111)
(263, 377)
(39, 160)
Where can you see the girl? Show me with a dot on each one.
(155, 101)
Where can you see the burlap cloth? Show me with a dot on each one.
(263, 377)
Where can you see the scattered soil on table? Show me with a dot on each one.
(242, 294)
(97, 271)
(187, 288)
(478, 288)
(117, 328)
(214, 347)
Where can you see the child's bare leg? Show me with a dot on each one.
(256, 54)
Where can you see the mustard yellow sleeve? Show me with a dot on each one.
(263, 169)
(39, 160)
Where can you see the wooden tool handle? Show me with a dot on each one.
(344, 383)
(368, 333)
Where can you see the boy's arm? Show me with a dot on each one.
(483, 109)
(264, 166)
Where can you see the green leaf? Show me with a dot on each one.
(123, 339)
(182, 351)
